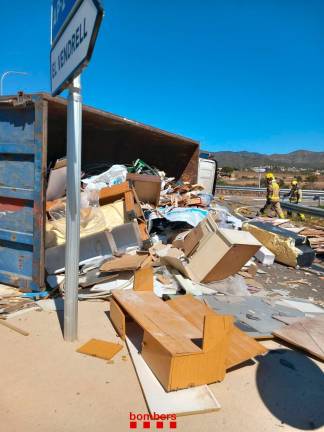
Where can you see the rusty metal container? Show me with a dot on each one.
(33, 132)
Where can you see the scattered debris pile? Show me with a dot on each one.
(315, 238)
(180, 273)
(14, 303)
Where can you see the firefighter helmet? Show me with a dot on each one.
(269, 176)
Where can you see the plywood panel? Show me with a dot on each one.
(118, 318)
(159, 359)
(99, 348)
(143, 279)
(307, 333)
(188, 401)
(241, 346)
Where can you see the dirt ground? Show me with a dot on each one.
(47, 386)
(299, 283)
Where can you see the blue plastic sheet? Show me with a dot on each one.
(190, 215)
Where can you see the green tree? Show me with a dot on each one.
(227, 170)
(312, 178)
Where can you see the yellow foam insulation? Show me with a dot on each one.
(92, 222)
(283, 248)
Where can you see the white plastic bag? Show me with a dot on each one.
(115, 175)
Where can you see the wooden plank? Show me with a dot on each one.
(130, 205)
(14, 328)
(182, 402)
(143, 279)
(215, 326)
(241, 348)
(143, 230)
(191, 309)
(307, 333)
(113, 193)
(163, 323)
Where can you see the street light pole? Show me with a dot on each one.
(8, 73)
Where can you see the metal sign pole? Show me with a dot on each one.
(74, 131)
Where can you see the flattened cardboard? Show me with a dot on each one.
(126, 262)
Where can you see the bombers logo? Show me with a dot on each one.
(148, 421)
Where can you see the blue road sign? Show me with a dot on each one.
(74, 45)
(61, 13)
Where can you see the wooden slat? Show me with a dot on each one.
(130, 205)
(110, 194)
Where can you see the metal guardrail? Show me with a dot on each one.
(314, 211)
(306, 192)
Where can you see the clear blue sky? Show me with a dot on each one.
(234, 74)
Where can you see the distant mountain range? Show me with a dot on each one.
(245, 159)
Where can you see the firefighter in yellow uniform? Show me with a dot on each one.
(273, 197)
(295, 196)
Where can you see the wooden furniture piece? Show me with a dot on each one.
(132, 205)
(184, 342)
